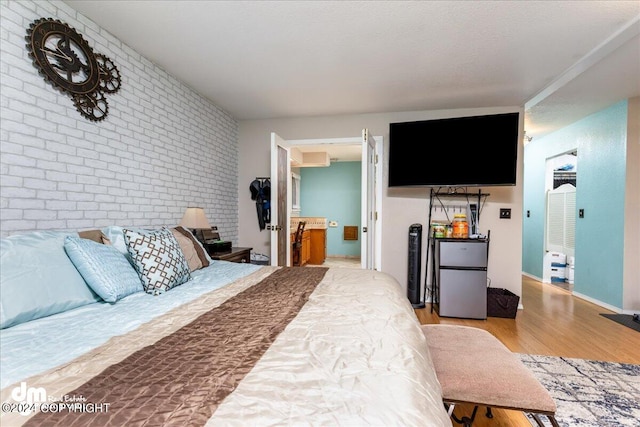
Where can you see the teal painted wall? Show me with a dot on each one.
(601, 141)
(333, 192)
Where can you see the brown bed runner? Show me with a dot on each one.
(182, 378)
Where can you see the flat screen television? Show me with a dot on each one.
(454, 152)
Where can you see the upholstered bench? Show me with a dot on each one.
(474, 367)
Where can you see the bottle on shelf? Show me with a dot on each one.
(460, 226)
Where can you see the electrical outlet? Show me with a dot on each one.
(505, 213)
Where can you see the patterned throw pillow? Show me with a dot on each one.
(157, 257)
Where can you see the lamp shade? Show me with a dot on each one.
(195, 218)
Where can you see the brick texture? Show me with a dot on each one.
(162, 147)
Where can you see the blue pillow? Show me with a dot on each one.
(104, 268)
(115, 234)
(38, 279)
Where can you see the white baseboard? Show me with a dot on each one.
(597, 302)
(586, 298)
(531, 276)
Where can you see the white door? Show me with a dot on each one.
(368, 194)
(561, 220)
(280, 201)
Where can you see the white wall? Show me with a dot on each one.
(400, 207)
(161, 148)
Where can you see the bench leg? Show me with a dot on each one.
(537, 420)
(450, 408)
(552, 420)
(465, 421)
(468, 421)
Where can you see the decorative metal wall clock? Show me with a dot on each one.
(67, 62)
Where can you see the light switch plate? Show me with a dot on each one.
(333, 223)
(505, 213)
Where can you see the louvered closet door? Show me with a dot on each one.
(561, 220)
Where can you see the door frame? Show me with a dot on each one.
(377, 264)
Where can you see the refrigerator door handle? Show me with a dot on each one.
(444, 267)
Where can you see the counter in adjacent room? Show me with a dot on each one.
(315, 236)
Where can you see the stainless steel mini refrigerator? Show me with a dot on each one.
(461, 277)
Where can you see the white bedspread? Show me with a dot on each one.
(354, 356)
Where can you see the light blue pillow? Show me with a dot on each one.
(158, 259)
(38, 279)
(115, 234)
(104, 268)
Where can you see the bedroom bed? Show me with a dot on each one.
(237, 344)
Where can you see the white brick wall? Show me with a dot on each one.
(161, 148)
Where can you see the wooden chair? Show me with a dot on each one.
(297, 244)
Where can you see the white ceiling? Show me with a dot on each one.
(562, 60)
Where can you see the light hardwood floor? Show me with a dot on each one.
(553, 323)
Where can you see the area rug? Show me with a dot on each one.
(589, 393)
(623, 319)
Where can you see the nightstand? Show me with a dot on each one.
(236, 255)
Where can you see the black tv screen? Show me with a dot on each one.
(454, 152)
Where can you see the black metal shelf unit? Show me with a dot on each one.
(437, 193)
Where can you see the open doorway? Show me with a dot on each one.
(560, 220)
(330, 194)
(317, 154)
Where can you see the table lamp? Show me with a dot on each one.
(195, 220)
